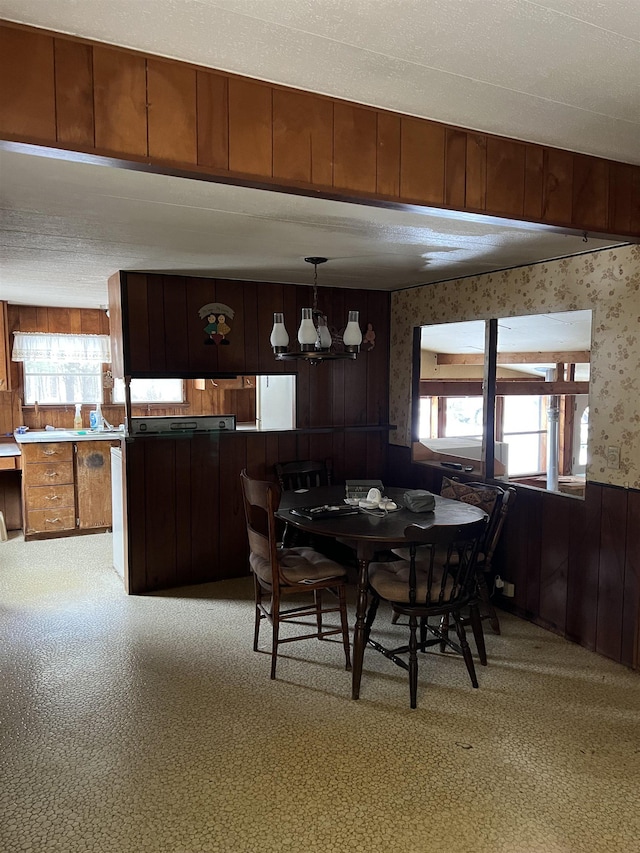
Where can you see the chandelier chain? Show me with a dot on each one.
(315, 288)
(315, 261)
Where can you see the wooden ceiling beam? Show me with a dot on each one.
(575, 357)
(525, 387)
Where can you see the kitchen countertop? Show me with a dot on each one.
(44, 435)
(9, 447)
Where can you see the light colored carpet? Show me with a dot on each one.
(133, 724)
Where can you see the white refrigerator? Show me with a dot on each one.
(276, 401)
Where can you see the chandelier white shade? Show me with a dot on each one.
(315, 340)
(279, 335)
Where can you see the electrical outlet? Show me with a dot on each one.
(613, 457)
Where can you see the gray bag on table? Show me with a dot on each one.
(419, 500)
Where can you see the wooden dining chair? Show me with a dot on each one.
(303, 474)
(425, 588)
(495, 501)
(280, 573)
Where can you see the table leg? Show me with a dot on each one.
(358, 634)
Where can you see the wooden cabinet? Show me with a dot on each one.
(93, 484)
(66, 487)
(48, 489)
(5, 372)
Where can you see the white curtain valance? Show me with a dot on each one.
(37, 346)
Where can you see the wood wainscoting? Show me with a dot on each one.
(575, 563)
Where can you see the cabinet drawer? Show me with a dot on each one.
(47, 474)
(49, 497)
(42, 520)
(58, 451)
(8, 463)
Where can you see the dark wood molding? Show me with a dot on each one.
(489, 391)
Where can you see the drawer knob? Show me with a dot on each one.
(49, 452)
(52, 497)
(52, 520)
(51, 473)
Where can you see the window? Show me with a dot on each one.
(61, 369)
(525, 429)
(52, 383)
(584, 435)
(538, 373)
(150, 391)
(425, 426)
(463, 417)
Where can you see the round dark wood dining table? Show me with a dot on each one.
(369, 533)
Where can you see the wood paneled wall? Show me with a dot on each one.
(185, 513)
(62, 321)
(214, 399)
(163, 335)
(31, 318)
(88, 97)
(10, 412)
(575, 563)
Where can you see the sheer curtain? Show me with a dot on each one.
(37, 346)
(61, 369)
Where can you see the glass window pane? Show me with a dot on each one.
(464, 417)
(523, 414)
(584, 435)
(49, 383)
(424, 426)
(525, 456)
(150, 391)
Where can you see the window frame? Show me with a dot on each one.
(492, 406)
(60, 403)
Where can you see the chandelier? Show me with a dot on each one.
(317, 343)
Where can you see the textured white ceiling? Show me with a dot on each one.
(66, 227)
(565, 331)
(559, 72)
(568, 331)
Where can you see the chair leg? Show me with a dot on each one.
(342, 598)
(444, 630)
(478, 633)
(413, 661)
(466, 651)
(317, 597)
(394, 618)
(258, 618)
(485, 598)
(275, 618)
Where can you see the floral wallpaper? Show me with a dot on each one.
(607, 282)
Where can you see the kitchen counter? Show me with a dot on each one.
(46, 435)
(9, 448)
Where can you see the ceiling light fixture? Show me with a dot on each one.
(317, 342)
